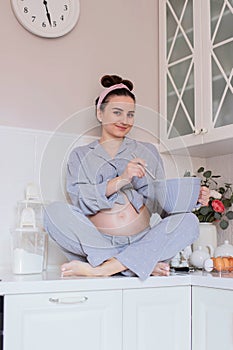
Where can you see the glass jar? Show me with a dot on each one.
(29, 250)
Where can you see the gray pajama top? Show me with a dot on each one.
(90, 168)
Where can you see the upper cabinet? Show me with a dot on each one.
(196, 74)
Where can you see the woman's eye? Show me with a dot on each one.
(130, 115)
(117, 113)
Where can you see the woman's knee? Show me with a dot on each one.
(183, 223)
(52, 212)
(62, 216)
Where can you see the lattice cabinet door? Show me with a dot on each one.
(222, 61)
(196, 72)
(180, 72)
(217, 57)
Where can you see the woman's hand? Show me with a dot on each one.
(204, 195)
(135, 167)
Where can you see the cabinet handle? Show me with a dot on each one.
(68, 300)
(204, 131)
(197, 131)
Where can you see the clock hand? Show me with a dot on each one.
(47, 13)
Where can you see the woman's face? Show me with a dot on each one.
(117, 118)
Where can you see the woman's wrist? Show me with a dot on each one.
(121, 181)
(115, 185)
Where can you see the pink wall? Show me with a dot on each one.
(44, 81)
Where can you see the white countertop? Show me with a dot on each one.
(51, 281)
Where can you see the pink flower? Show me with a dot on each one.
(218, 206)
(215, 194)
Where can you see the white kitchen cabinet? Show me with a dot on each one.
(157, 318)
(82, 320)
(196, 72)
(212, 319)
(133, 316)
(99, 320)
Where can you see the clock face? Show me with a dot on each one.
(47, 18)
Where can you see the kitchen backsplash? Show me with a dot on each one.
(40, 157)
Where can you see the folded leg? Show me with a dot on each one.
(161, 243)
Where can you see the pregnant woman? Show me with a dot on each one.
(107, 228)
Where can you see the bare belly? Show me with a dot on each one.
(121, 220)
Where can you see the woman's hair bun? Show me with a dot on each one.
(110, 80)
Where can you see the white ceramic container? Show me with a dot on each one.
(198, 257)
(225, 249)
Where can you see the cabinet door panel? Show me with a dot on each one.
(180, 73)
(212, 319)
(222, 66)
(157, 318)
(63, 321)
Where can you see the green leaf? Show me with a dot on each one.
(224, 224)
(221, 190)
(207, 174)
(200, 170)
(187, 173)
(200, 217)
(210, 217)
(217, 216)
(205, 210)
(226, 202)
(229, 215)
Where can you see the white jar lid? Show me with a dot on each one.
(225, 249)
(208, 265)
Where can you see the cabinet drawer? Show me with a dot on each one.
(82, 320)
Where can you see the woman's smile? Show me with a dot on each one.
(122, 127)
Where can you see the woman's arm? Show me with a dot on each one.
(83, 189)
(134, 168)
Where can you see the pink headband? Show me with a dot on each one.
(107, 90)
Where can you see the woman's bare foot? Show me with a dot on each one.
(161, 269)
(77, 268)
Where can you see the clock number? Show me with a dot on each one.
(25, 10)
(65, 7)
(43, 24)
(33, 18)
(62, 18)
(54, 23)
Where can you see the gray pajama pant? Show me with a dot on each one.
(79, 239)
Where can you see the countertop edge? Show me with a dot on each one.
(51, 281)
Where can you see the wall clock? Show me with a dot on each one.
(47, 18)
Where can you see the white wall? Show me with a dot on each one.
(44, 81)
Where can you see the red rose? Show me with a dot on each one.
(218, 206)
